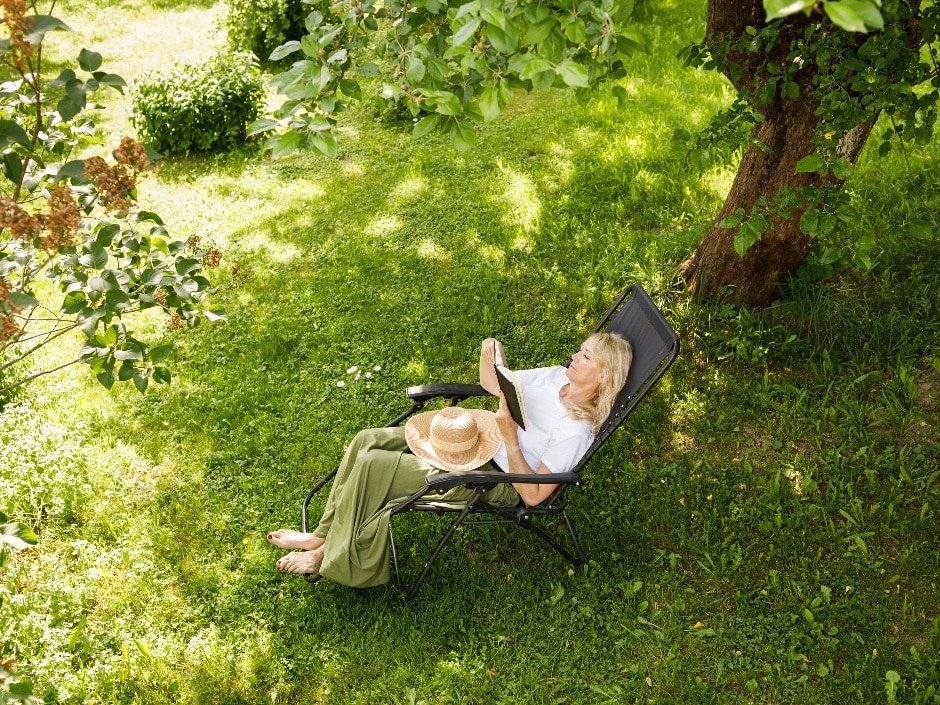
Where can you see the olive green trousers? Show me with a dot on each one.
(377, 472)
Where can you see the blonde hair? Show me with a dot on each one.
(614, 353)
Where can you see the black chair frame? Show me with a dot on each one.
(655, 348)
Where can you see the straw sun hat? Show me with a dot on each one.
(454, 439)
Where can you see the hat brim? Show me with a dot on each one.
(418, 437)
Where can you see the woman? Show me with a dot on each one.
(383, 466)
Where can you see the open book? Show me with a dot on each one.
(511, 386)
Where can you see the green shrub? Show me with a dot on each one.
(260, 26)
(199, 108)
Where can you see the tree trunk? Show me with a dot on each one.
(715, 268)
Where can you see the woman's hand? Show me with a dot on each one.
(487, 360)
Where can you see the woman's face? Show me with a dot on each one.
(585, 369)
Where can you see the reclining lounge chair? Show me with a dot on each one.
(655, 348)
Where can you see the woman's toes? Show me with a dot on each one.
(300, 562)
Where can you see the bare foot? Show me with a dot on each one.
(290, 539)
(301, 562)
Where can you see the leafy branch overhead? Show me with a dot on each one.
(850, 15)
(73, 221)
(449, 66)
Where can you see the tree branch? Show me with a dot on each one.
(34, 376)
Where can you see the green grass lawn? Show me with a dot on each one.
(763, 530)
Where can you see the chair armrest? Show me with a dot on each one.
(457, 392)
(448, 480)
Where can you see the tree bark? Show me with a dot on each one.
(715, 268)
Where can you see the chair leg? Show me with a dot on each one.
(582, 559)
(578, 558)
(455, 524)
(437, 551)
(565, 553)
(310, 495)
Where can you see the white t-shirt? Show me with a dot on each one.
(553, 438)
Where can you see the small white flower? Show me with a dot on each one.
(341, 383)
(356, 378)
(368, 374)
(352, 370)
(377, 368)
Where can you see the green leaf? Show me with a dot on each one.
(494, 16)
(95, 258)
(920, 229)
(446, 103)
(89, 60)
(324, 143)
(573, 74)
(11, 132)
(68, 108)
(747, 235)
(106, 379)
(415, 69)
(99, 284)
(216, 314)
(489, 104)
(74, 302)
(848, 214)
(868, 11)
(810, 163)
(141, 380)
(844, 15)
(732, 220)
(338, 56)
(351, 88)
(161, 374)
(285, 49)
(505, 41)
(22, 299)
(13, 167)
(464, 136)
(17, 536)
(111, 80)
(463, 35)
(862, 260)
(842, 168)
(41, 25)
(576, 31)
(74, 169)
(866, 242)
(425, 125)
(831, 255)
(539, 32)
(545, 80)
(282, 145)
(784, 8)
(133, 352)
(531, 66)
(262, 125)
(159, 353)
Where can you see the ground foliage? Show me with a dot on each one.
(764, 529)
